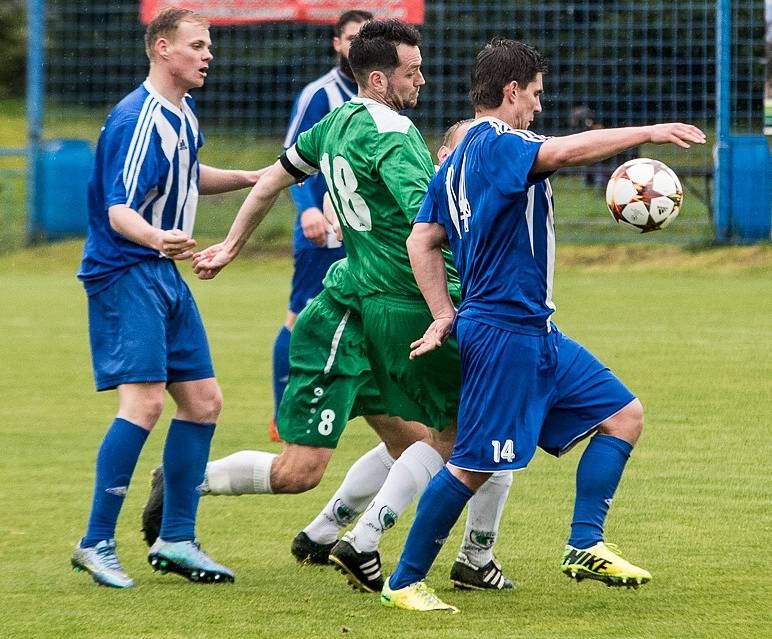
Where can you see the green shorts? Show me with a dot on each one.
(330, 381)
(425, 389)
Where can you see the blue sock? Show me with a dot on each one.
(186, 452)
(115, 464)
(438, 509)
(597, 478)
(281, 349)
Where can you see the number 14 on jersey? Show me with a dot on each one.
(458, 205)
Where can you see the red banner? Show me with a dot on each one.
(311, 11)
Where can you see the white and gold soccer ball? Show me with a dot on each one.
(644, 194)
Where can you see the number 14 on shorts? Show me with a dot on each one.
(503, 451)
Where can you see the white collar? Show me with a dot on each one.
(164, 102)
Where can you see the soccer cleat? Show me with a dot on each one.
(273, 431)
(187, 559)
(417, 596)
(603, 563)
(465, 575)
(307, 551)
(362, 569)
(154, 507)
(102, 564)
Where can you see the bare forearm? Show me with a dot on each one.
(213, 180)
(252, 212)
(256, 206)
(428, 265)
(133, 226)
(588, 147)
(593, 146)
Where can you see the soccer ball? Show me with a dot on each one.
(644, 194)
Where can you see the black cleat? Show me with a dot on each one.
(362, 569)
(307, 551)
(465, 575)
(154, 507)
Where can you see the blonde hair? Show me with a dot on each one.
(165, 24)
(451, 131)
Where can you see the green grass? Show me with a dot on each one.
(687, 330)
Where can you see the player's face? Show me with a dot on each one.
(406, 80)
(342, 44)
(527, 103)
(188, 55)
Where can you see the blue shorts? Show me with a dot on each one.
(310, 268)
(145, 327)
(522, 391)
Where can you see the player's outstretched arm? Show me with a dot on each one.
(213, 180)
(424, 246)
(209, 262)
(174, 244)
(592, 146)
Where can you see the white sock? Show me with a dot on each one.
(407, 479)
(483, 518)
(363, 480)
(246, 472)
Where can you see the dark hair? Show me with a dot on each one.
(165, 24)
(375, 47)
(355, 15)
(497, 65)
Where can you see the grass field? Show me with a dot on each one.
(688, 330)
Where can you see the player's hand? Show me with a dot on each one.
(676, 133)
(254, 176)
(314, 226)
(331, 216)
(175, 244)
(434, 337)
(210, 261)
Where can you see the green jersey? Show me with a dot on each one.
(339, 284)
(377, 169)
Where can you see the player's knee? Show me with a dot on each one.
(207, 407)
(627, 424)
(145, 413)
(297, 470)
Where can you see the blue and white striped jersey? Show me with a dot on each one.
(315, 101)
(147, 159)
(500, 225)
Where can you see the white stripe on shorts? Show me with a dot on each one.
(335, 342)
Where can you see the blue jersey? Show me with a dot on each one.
(500, 225)
(147, 159)
(314, 102)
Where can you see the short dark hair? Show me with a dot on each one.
(375, 47)
(500, 62)
(355, 15)
(165, 24)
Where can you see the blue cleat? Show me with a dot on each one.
(187, 559)
(102, 564)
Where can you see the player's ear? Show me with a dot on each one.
(161, 48)
(442, 153)
(510, 90)
(336, 44)
(378, 80)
